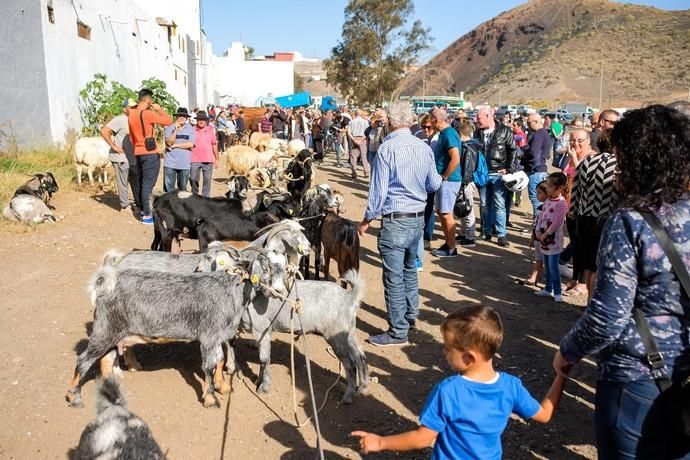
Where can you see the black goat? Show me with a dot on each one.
(280, 204)
(203, 218)
(317, 201)
(299, 175)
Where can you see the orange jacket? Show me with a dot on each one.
(151, 118)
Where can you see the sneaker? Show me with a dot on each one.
(386, 340)
(420, 268)
(486, 237)
(503, 242)
(126, 209)
(147, 219)
(509, 225)
(427, 245)
(445, 251)
(558, 298)
(544, 293)
(467, 243)
(413, 325)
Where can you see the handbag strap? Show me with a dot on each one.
(654, 357)
(141, 118)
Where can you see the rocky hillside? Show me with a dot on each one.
(550, 51)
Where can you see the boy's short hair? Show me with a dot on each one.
(465, 127)
(476, 327)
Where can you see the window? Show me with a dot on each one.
(185, 80)
(51, 14)
(83, 30)
(175, 74)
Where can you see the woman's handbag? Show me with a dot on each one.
(675, 396)
(560, 160)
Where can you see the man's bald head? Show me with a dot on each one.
(440, 118)
(534, 121)
(485, 118)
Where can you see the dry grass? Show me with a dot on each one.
(15, 170)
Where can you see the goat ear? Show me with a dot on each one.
(255, 272)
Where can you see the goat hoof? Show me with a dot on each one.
(210, 400)
(363, 390)
(73, 398)
(264, 388)
(224, 388)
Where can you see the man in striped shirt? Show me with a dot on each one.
(402, 175)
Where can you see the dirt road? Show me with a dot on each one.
(46, 311)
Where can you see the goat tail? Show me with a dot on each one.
(9, 214)
(112, 258)
(356, 280)
(351, 236)
(102, 283)
(109, 394)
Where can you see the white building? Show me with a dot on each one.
(50, 49)
(245, 82)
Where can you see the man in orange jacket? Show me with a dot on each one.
(141, 131)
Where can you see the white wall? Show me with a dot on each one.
(246, 81)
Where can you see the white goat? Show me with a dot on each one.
(294, 147)
(242, 159)
(259, 141)
(92, 153)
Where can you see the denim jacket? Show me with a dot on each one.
(634, 272)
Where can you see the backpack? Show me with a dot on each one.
(480, 176)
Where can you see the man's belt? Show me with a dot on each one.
(402, 215)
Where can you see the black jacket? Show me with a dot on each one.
(468, 159)
(502, 151)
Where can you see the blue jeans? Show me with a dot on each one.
(398, 241)
(534, 180)
(492, 205)
(172, 177)
(629, 425)
(553, 275)
(149, 167)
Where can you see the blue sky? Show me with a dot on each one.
(313, 26)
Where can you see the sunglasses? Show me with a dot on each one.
(427, 126)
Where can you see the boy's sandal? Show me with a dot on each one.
(575, 291)
(525, 282)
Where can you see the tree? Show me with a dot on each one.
(161, 96)
(376, 49)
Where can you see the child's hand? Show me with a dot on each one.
(368, 442)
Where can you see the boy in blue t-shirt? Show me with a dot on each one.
(466, 413)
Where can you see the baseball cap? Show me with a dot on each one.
(129, 102)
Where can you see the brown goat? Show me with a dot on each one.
(341, 242)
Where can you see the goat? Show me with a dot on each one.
(203, 218)
(340, 241)
(317, 201)
(30, 202)
(294, 147)
(299, 174)
(279, 145)
(116, 432)
(242, 159)
(279, 204)
(137, 306)
(327, 310)
(259, 141)
(92, 153)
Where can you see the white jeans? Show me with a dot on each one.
(468, 228)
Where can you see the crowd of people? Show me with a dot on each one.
(593, 184)
(627, 205)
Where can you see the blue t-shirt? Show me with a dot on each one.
(179, 158)
(447, 139)
(470, 417)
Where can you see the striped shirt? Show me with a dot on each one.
(592, 193)
(402, 175)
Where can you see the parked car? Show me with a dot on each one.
(543, 112)
(563, 116)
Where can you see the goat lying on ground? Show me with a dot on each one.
(341, 242)
(317, 201)
(30, 202)
(92, 153)
(139, 306)
(116, 432)
(203, 218)
(327, 310)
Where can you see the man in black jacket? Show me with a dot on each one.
(500, 151)
(537, 151)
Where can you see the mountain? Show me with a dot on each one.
(550, 51)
